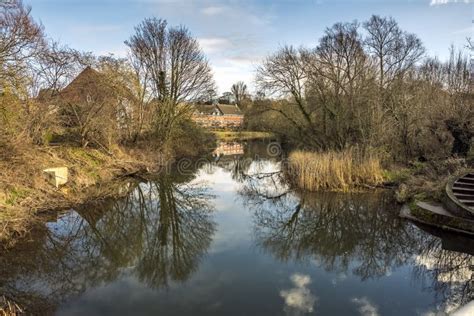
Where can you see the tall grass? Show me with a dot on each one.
(8, 308)
(335, 171)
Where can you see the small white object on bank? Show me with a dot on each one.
(57, 176)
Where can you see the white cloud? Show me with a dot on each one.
(365, 307)
(243, 60)
(212, 10)
(466, 310)
(442, 2)
(226, 75)
(299, 299)
(214, 44)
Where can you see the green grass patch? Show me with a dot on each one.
(15, 195)
(397, 175)
(242, 135)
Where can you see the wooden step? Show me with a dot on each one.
(438, 216)
(460, 196)
(465, 180)
(467, 202)
(463, 185)
(463, 190)
(469, 197)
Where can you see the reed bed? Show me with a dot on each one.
(335, 170)
(8, 308)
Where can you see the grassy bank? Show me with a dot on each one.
(24, 188)
(334, 171)
(426, 181)
(241, 135)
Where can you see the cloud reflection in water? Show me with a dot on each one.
(299, 300)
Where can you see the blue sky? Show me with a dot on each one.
(237, 34)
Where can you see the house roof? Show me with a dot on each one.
(228, 109)
(45, 95)
(207, 109)
(92, 83)
(87, 82)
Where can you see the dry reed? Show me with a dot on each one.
(335, 171)
(9, 308)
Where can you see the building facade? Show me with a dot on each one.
(216, 116)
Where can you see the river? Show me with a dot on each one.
(226, 235)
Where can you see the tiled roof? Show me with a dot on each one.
(92, 83)
(207, 109)
(228, 109)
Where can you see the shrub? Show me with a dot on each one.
(188, 140)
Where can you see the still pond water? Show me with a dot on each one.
(226, 236)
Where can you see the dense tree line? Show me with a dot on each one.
(370, 85)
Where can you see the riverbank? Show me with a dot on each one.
(171, 229)
(425, 181)
(351, 170)
(25, 189)
(241, 135)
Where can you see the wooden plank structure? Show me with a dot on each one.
(463, 190)
(456, 214)
(460, 195)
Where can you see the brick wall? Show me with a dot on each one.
(219, 121)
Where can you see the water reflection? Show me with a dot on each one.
(445, 271)
(299, 299)
(357, 233)
(158, 234)
(229, 149)
(283, 251)
(336, 231)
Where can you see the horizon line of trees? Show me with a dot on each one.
(367, 84)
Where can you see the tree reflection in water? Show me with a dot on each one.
(157, 233)
(445, 265)
(360, 233)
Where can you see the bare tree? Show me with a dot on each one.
(394, 50)
(459, 115)
(176, 67)
(21, 38)
(140, 81)
(395, 54)
(56, 65)
(284, 74)
(470, 44)
(239, 90)
(339, 84)
(327, 88)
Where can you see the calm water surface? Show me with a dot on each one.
(226, 236)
